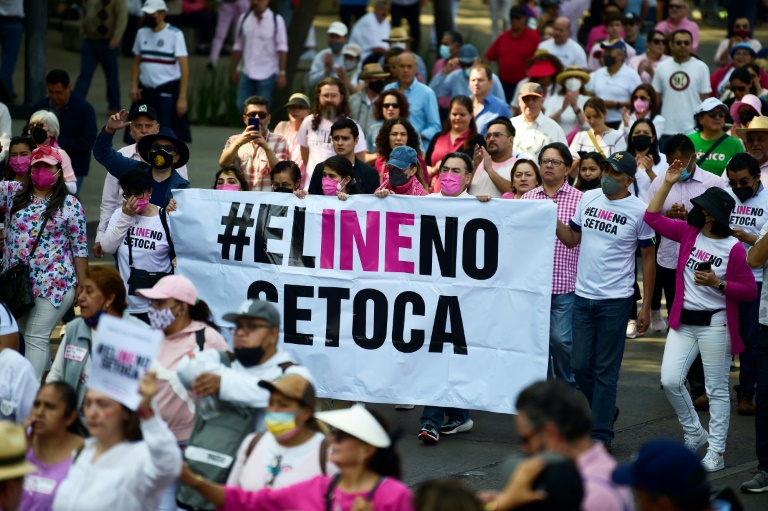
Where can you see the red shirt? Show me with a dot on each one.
(511, 52)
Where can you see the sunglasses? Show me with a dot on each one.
(168, 147)
(658, 41)
(387, 106)
(683, 43)
(715, 113)
(260, 115)
(739, 184)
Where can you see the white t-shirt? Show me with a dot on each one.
(570, 54)
(610, 142)
(610, 233)
(618, 87)
(681, 86)
(150, 252)
(717, 252)
(18, 386)
(159, 52)
(763, 318)
(320, 144)
(481, 181)
(751, 216)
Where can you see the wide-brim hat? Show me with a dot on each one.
(398, 35)
(13, 451)
(572, 72)
(749, 100)
(757, 124)
(718, 203)
(373, 70)
(358, 422)
(143, 146)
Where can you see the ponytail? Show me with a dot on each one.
(201, 312)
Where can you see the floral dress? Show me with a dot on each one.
(52, 268)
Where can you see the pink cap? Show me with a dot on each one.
(46, 154)
(171, 286)
(750, 100)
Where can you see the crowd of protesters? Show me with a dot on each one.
(608, 116)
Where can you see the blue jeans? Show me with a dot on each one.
(599, 333)
(761, 398)
(435, 416)
(92, 53)
(10, 40)
(561, 338)
(749, 331)
(247, 88)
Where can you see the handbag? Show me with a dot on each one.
(16, 286)
(143, 279)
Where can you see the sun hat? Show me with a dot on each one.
(373, 70)
(742, 46)
(298, 99)
(749, 100)
(718, 203)
(402, 157)
(293, 386)
(338, 28)
(757, 124)
(46, 154)
(710, 104)
(254, 308)
(358, 422)
(171, 286)
(540, 69)
(622, 162)
(531, 89)
(152, 6)
(572, 72)
(352, 50)
(144, 145)
(397, 35)
(13, 452)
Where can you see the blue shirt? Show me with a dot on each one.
(456, 84)
(493, 107)
(422, 103)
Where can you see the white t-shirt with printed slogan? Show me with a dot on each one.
(751, 216)
(717, 252)
(150, 252)
(610, 233)
(763, 318)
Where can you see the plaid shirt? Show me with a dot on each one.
(253, 163)
(564, 271)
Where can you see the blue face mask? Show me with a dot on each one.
(94, 320)
(466, 73)
(685, 174)
(445, 51)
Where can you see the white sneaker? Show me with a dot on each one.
(404, 407)
(713, 461)
(658, 323)
(694, 442)
(632, 329)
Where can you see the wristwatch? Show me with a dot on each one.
(721, 285)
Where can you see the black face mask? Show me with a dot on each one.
(150, 21)
(283, 189)
(590, 184)
(719, 229)
(376, 86)
(160, 159)
(696, 218)
(641, 142)
(397, 177)
(746, 117)
(744, 193)
(609, 60)
(249, 357)
(39, 135)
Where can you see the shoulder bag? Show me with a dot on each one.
(16, 286)
(714, 146)
(143, 279)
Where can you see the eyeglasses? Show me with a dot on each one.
(387, 106)
(658, 41)
(127, 196)
(260, 115)
(677, 6)
(495, 134)
(168, 147)
(249, 327)
(739, 184)
(554, 163)
(683, 43)
(715, 113)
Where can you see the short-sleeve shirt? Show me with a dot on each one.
(252, 160)
(763, 317)
(319, 143)
(722, 154)
(750, 216)
(714, 251)
(159, 52)
(611, 231)
(618, 87)
(511, 52)
(681, 86)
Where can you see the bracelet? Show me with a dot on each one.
(577, 112)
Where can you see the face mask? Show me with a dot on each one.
(719, 229)
(94, 320)
(376, 86)
(281, 424)
(466, 72)
(350, 65)
(335, 46)
(590, 184)
(160, 319)
(696, 218)
(610, 185)
(451, 183)
(141, 205)
(744, 193)
(743, 34)
(445, 51)
(746, 117)
(249, 357)
(150, 21)
(43, 179)
(572, 84)
(686, 174)
(330, 186)
(228, 187)
(39, 135)
(641, 105)
(284, 189)
(20, 164)
(160, 159)
(397, 177)
(641, 142)
(398, 45)
(609, 60)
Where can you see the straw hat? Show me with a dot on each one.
(757, 124)
(13, 452)
(572, 71)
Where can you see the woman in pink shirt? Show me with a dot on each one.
(369, 470)
(403, 174)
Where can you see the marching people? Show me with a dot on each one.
(286, 177)
(643, 144)
(44, 130)
(644, 104)
(600, 137)
(589, 171)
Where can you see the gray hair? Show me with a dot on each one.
(48, 118)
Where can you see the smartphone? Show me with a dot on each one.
(253, 121)
(704, 266)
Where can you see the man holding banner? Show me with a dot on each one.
(609, 225)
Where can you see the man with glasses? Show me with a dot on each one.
(491, 176)
(533, 129)
(452, 82)
(755, 139)
(256, 150)
(609, 226)
(678, 20)
(646, 63)
(555, 160)
(681, 84)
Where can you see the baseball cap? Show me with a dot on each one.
(710, 104)
(13, 449)
(358, 422)
(171, 286)
(614, 44)
(402, 157)
(338, 28)
(467, 54)
(541, 68)
(138, 110)
(531, 89)
(298, 99)
(293, 386)
(518, 11)
(254, 308)
(663, 467)
(352, 50)
(623, 162)
(631, 18)
(742, 46)
(152, 6)
(47, 154)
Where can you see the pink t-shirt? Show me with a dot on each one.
(41, 485)
(600, 493)
(391, 495)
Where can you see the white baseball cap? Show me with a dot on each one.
(152, 6)
(710, 104)
(338, 28)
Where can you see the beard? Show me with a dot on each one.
(329, 112)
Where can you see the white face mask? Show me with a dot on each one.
(397, 45)
(572, 84)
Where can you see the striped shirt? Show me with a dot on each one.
(252, 160)
(159, 53)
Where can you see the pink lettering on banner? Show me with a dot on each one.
(125, 358)
(395, 242)
(368, 248)
(328, 239)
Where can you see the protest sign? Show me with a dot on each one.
(122, 352)
(419, 300)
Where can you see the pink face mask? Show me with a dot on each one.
(641, 105)
(228, 187)
(20, 164)
(141, 205)
(450, 183)
(330, 186)
(43, 179)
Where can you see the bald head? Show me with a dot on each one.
(405, 64)
(562, 26)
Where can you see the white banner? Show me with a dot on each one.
(415, 300)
